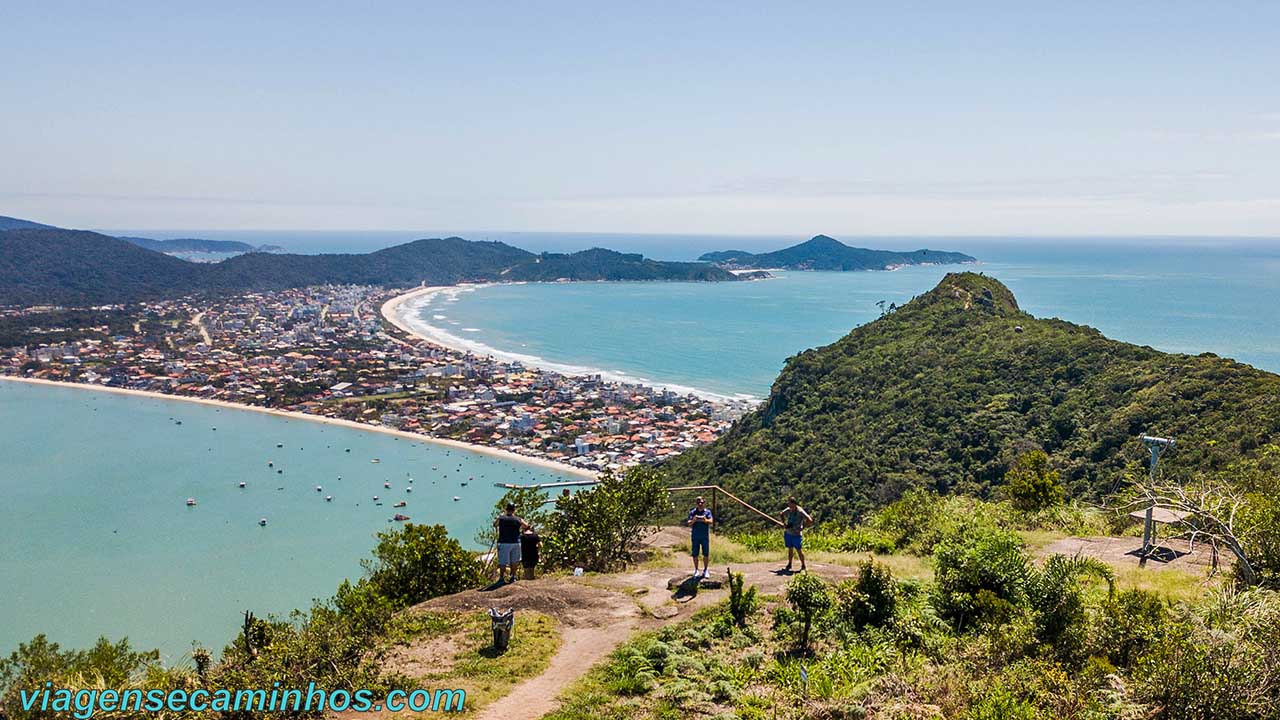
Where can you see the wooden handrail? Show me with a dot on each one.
(737, 499)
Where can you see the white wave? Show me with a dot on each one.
(411, 314)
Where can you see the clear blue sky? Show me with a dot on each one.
(771, 118)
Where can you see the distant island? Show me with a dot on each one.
(185, 246)
(826, 253)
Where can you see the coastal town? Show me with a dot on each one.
(328, 351)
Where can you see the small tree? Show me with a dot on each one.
(979, 577)
(810, 597)
(743, 602)
(419, 562)
(869, 598)
(1032, 484)
(597, 528)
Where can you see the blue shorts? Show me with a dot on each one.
(704, 543)
(793, 542)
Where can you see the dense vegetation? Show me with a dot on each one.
(826, 253)
(39, 266)
(947, 391)
(985, 631)
(198, 245)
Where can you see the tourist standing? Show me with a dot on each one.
(700, 522)
(529, 544)
(794, 521)
(509, 526)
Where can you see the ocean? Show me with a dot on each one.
(98, 539)
(731, 339)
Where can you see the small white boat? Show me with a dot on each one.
(191, 502)
(456, 498)
(408, 489)
(262, 522)
(375, 461)
(242, 485)
(328, 498)
(386, 485)
(318, 488)
(375, 497)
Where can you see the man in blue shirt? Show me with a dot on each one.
(700, 522)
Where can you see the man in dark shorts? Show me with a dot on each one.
(700, 522)
(509, 527)
(794, 521)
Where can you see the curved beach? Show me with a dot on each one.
(290, 414)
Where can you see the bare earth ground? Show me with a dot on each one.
(596, 614)
(1121, 551)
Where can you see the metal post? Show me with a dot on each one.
(1155, 445)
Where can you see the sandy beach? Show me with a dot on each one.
(290, 414)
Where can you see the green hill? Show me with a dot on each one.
(944, 392)
(827, 253)
(79, 267)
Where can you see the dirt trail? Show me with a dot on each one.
(598, 613)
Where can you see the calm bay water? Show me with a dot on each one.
(97, 539)
(732, 338)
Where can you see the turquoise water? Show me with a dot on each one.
(732, 338)
(97, 539)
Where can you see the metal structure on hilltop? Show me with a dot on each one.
(1156, 445)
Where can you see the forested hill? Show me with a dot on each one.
(944, 392)
(80, 267)
(826, 253)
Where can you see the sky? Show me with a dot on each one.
(1018, 118)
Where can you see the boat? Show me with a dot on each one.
(408, 489)
(400, 518)
(386, 485)
(279, 445)
(262, 522)
(318, 488)
(400, 504)
(328, 498)
(191, 502)
(375, 461)
(456, 498)
(242, 484)
(271, 463)
(375, 497)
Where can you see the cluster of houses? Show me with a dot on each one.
(327, 351)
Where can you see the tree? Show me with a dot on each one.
(743, 601)
(1210, 511)
(1032, 484)
(419, 562)
(596, 529)
(810, 598)
(868, 598)
(979, 577)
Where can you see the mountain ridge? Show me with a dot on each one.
(947, 390)
(822, 252)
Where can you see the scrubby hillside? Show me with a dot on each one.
(944, 392)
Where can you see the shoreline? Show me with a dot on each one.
(295, 415)
(394, 309)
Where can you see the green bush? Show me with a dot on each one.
(1056, 598)
(418, 562)
(1032, 484)
(743, 602)
(1127, 625)
(977, 576)
(869, 598)
(598, 528)
(810, 599)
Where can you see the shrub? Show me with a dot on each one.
(743, 603)
(869, 598)
(977, 575)
(419, 562)
(810, 599)
(597, 528)
(1127, 625)
(1032, 484)
(1056, 598)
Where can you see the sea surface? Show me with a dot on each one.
(97, 539)
(731, 339)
